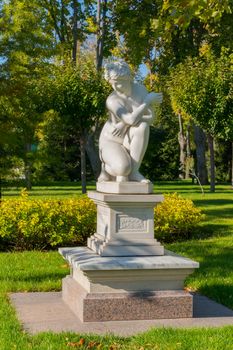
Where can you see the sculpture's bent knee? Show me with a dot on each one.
(121, 168)
(117, 161)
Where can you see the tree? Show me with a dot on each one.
(166, 32)
(206, 86)
(26, 50)
(79, 95)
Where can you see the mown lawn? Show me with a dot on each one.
(212, 246)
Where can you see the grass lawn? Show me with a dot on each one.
(42, 271)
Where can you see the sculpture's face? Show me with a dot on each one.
(122, 85)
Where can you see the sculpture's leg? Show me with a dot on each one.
(104, 176)
(139, 137)
(122, 178)
(116, 160)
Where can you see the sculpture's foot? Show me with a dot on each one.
(136, 176)
(122, 178)
(104, 176)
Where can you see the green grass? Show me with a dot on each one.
(212, 246)
(56, 191)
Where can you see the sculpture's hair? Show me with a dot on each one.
(114, 70)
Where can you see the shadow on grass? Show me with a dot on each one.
(221, 293)
(214, 277)
(206, 202)
(226, 213)
(218, 208)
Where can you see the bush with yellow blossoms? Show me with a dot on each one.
(43, 224)
(176, 218)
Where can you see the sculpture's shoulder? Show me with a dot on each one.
(111, 97)
(113, 100)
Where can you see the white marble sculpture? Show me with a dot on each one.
(124, 138)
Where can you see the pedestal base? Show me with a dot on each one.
(126, 288)
(93, 307)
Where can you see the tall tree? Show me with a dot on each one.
(206, 86)
(79, 98)
(26, 49)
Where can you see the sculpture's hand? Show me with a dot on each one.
(154, 97)
(119, 129)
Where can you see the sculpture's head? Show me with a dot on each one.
(118, 74)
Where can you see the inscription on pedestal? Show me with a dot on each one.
(128, 223)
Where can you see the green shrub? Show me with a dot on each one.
(40, 224)
(176, 218)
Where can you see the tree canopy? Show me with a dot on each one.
(46, 78)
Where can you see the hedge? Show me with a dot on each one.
(45, 224)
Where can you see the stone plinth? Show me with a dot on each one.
(126, 288)
(129, 187)
(121, 306)
(125, 224)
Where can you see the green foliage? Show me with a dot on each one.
(202, 88)
(79, 94)
(76, 98)
(40, 224)
(161, 161)
(176, 218)
(57, 156)
(181, 12)
(223, 160)
(163, 33)
(25, 52)
(133, 19)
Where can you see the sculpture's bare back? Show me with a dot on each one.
(124, 138)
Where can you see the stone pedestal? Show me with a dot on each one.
(124, 273)
(125, 224)
(126, 288)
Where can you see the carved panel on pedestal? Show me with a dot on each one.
(131, 223)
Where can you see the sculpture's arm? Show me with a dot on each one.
(115, 106)
(152, 98)
(148, 117)
(120, 129)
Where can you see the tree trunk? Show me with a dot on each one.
(182, 143)
(83, 164)
(75, 30)
(28, 167)
(212, 162)
(101, 26)
(93, 155)
(28, 174)
(200, 142)
(188, 154)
